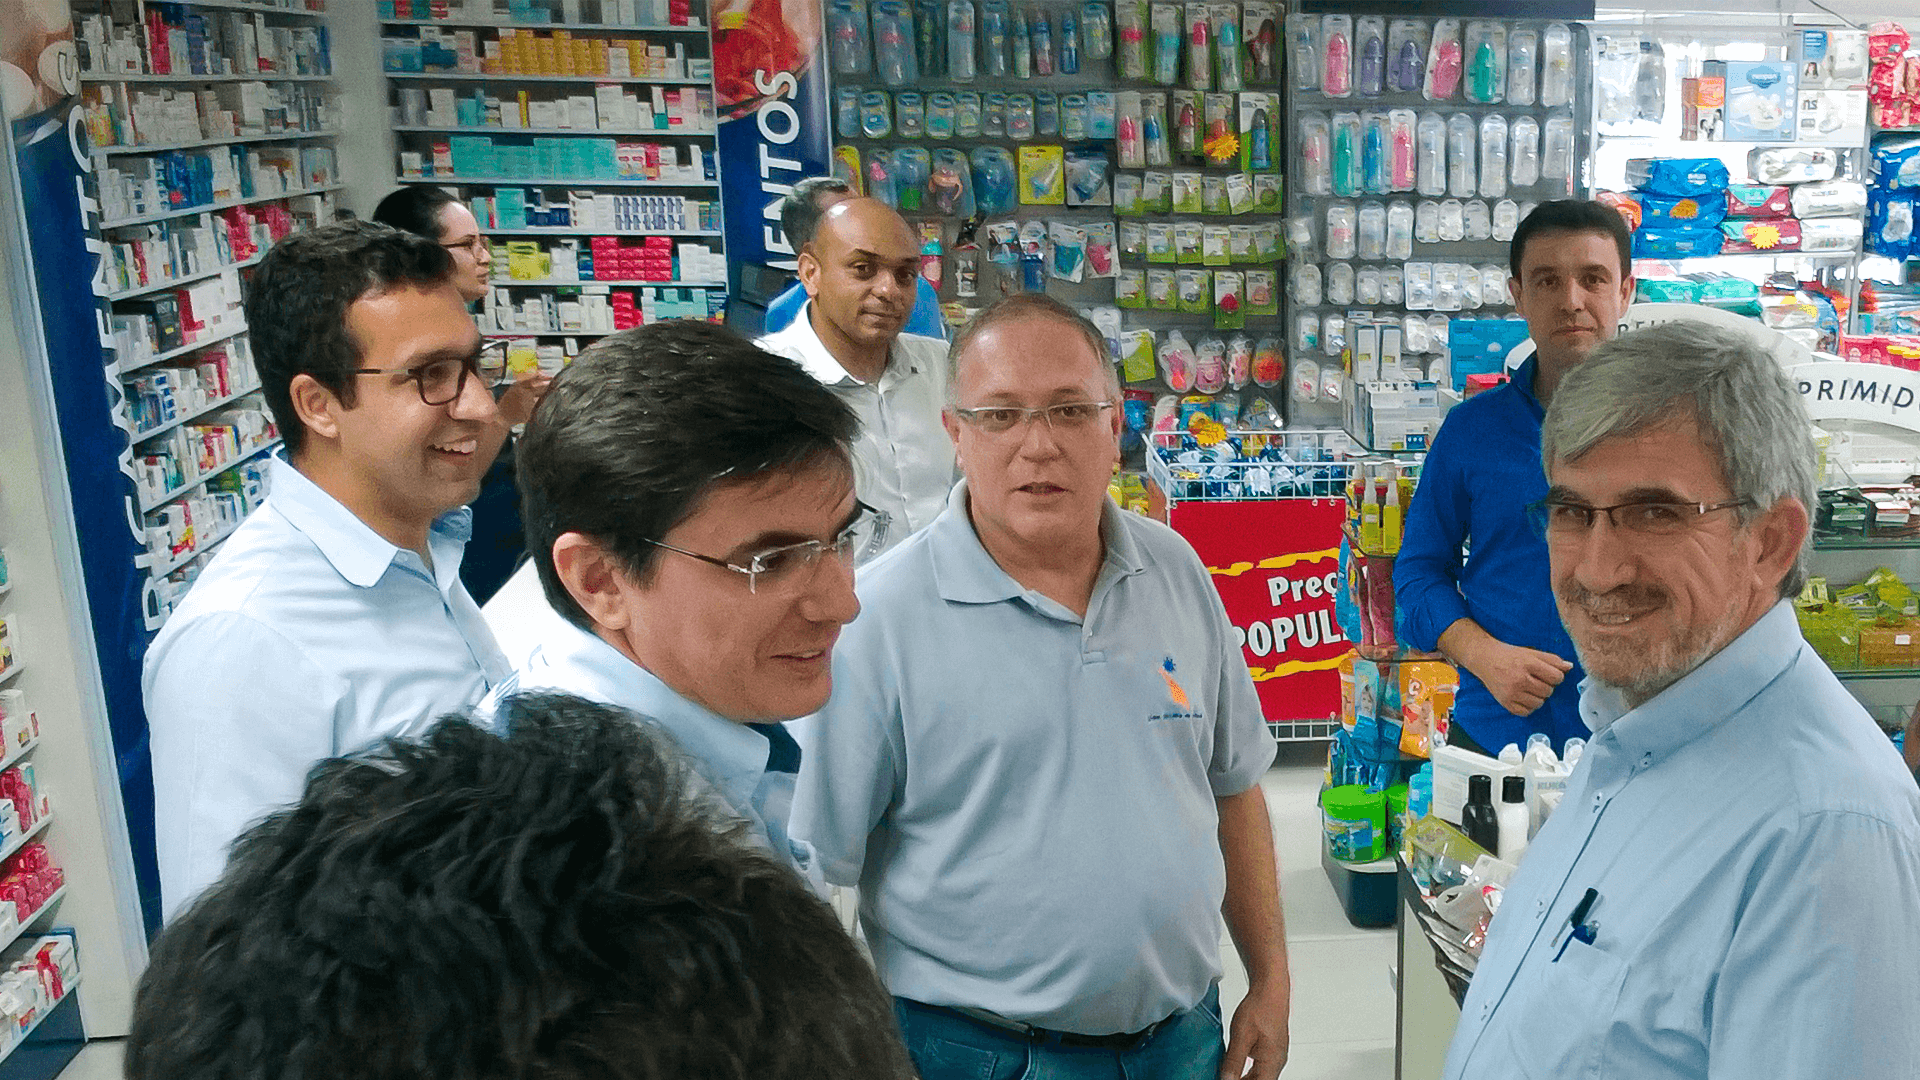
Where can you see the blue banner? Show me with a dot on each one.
(770, 94)
(65, 247)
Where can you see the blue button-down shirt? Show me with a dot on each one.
(1028, 798)
(1755, 844)
(732, 757)
(1470, 553)
(925, 319)
(307, 636)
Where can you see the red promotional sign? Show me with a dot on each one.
(1276, 565)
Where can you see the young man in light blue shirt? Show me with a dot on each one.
(1041, 760)
(689, 505)
(1729, 887)
(334, 616)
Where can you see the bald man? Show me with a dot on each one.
(859, 271)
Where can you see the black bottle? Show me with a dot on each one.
(1478, 819)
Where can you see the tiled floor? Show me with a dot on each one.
(1342, 1022)
(1342, 1019)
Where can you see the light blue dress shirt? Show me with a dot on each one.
(731, 756)
(1026, 798)
(307, 636)
(1755, 844)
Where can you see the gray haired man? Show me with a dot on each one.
(1729, 887)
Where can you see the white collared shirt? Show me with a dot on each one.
(902, 458)
(307, 636)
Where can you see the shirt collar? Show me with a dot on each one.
(965, 573)
(1705, 697)
(358, 553)
(819, 362)
(1522, 380)
(732, 755)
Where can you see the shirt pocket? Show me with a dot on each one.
(1557, 1016)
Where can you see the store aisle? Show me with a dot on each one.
(1342, 994)
(1342, 997)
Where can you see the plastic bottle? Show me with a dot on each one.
(1430, 156)
(1477, 818)
(1493, 156)
(1069, 44)
(1199, 47)
(1022, 46)
(1523, 66)
(1316, 152)
(1461, 182)
(1347, 174)
(1556, 66)
(1513, 818)
(1390, 510)
(1041, 34)
(1371, 77)
(1523, 157)
(1337, 81)
(1369, 517)
(960, 40)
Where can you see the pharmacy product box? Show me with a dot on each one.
(1832, 116)
(1760, 98)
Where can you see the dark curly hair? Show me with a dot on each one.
(554, 903)
(641, 426)
(298, 298)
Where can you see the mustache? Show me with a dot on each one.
(1620, 600)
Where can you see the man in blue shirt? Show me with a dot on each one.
(1471, 578)
(689, 504)
(1728, 887)
(1041, 761)
(334, 616)
(800, 214)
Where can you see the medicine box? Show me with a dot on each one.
(1703, 108)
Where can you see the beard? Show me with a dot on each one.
(1638, 668)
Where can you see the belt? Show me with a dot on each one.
(1130, 1040)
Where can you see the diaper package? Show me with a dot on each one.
(1759, 201)
(1890, 223)
(1677, 177)
(1895, 163)
(1831, 234)
(1792, 164)
(1745, 235)
(1677, 242)
(1840, 198)
(1660, 211)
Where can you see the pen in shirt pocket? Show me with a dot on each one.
(1577, 926)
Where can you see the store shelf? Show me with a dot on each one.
(1814, 256)
(509, 335)
(189, 418)
(620, 133)
(552, 181)
(147, 506)
(160, 570)
(570, 231)
(7, 674)
(189, 211)
(1862, 543)
(545, 283)
(197, 79)
(226, 334)
(232, 140)
(70, 986)
(1675, 146)
(261, 9)
(170, 283)
(20, 929)
(482, 76)
(1861, 674)
(16, 755)
(569, 27)
(14, 845)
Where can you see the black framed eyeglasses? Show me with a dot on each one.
(1000, 419)
(473, 245)
(791, 566)
(1554, 519)
(445, 380)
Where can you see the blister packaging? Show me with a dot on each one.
(1461, 180)
(1493, 156)
(1336, 55)
(1370, 55)
(1485, 56)
(1523, 153)
(1430, 155)
(1347, 176)
(1556, 66)
(849, 50)
(1443, 61)
(1523, 66)
(1407, 41)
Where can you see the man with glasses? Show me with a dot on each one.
(860, 270)
(689, 504)
(1041, 760)
(334, 616)
(1728, 888)
(1471, 578)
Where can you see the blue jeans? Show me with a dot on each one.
(945, 1046)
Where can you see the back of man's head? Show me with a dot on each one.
(802, 208)
(298, 298)
(644, 423)
(1572, 215)
(555, 903)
